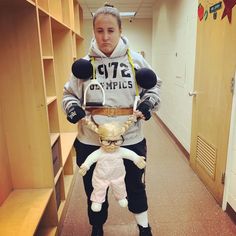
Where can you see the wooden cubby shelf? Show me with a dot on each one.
(67, 139)
(58, 175)
(43, 5)
(51, 99)
(74, 46)
(49, 77)
(53, 115)
(47, 231)
(37, 160)
(67, 180)
(23, 209)
(31, 2)
(47, 57)
(54, 137)
(45, 34)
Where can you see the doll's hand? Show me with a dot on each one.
(139, 115)
(140, 163)
(83, 170)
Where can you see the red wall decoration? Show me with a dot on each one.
(229, 4)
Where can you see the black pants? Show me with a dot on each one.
(136, 194)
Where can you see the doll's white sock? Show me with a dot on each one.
(142, 219)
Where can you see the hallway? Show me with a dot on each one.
(179, 204)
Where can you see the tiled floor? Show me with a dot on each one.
(179, 204)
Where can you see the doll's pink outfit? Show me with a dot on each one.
(109, 172)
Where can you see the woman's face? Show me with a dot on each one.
(107, 33)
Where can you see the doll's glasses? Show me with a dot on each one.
(117, 142)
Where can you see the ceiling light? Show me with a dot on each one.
(128, 14)
(125, 13)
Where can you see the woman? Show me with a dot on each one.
(114, 64)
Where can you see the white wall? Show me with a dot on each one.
(169, 42)
(230, 180)
(173, 57)
(138, 32)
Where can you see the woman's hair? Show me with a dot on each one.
(109, 10)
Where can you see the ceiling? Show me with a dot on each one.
(142, 7)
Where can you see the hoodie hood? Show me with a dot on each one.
(120, 49)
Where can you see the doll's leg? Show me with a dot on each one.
(123, 202)
(119, 191)
(96, 207)
(99, 193)
(82, 151)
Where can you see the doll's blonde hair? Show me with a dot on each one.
(110, 130)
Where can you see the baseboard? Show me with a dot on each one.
(232, 214)
(172, 136)
(67, 203)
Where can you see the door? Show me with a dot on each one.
(214, 70)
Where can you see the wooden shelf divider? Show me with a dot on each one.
(36, 145)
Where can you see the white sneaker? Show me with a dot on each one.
(96, 207)
(123, 202)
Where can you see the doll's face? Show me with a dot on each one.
(111, 136)
(111, 145)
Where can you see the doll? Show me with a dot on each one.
(110, 170)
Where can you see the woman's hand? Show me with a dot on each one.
(143, 110)
(75, 113)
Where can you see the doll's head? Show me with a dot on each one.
(110, 136)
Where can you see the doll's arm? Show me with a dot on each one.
(139, 161)
(92, 158)
(83, 170)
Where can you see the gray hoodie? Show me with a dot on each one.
(115, 75)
